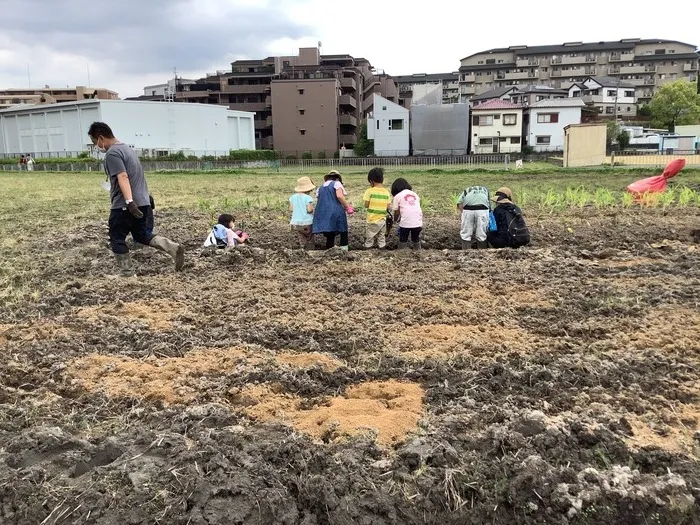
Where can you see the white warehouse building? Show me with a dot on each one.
(152, 128)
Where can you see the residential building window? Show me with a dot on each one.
(485, 142)
(629, 93)
(547, 118)
(396, 124)
(497, 117)
(543, 140)
(502, 139)
(510, 119)
(659, 51)
(302, 111)
(515, 140)
(611, 92)
(484, 120)
(377, 123)
(609, 110)
(302, 131)
(301, 91)
(383, 108)
(577, 93)
(490, 60)
(480, 62)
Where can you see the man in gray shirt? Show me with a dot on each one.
(131, 204)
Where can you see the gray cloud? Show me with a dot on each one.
(142, 36)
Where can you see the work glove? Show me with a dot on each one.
(134, 210)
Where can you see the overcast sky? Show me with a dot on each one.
(127, 44)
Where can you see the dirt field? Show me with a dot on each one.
(554, 384)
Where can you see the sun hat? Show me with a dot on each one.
(503, 195)
(304, 184)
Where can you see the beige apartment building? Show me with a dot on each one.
(306, 117)
(250, 83)
(645, 64)
(47, 95)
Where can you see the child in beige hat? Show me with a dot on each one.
(301, 204)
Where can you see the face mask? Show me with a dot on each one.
(99, 148)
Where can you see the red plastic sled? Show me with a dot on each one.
(657, 183)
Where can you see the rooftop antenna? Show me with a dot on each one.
(88, 73)
(29, 77)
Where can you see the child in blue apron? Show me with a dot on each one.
(332, 209)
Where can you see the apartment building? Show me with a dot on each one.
(306, 117)
(497, 127)
(448, 81)
(604, 93)
(645, 63)
(48, 95)
(248, 87)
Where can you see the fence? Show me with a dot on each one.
(466, 161)
(652, 158)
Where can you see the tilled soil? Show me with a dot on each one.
(553, 384)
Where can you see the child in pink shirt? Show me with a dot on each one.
(407, 213)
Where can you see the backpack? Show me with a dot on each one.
(518, 232)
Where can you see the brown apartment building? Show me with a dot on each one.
(646, 64)
(270, 88)
(47, 95)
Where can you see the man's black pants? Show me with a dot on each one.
(123, 223)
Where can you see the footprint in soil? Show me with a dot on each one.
(103, 456)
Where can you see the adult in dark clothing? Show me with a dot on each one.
(511, 232)
(131, 205)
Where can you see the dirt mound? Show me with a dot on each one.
(437, 340)
(387, 409)
(309, 360)
(671, 328)
(169, 380)
(156, 314)
(39, 331)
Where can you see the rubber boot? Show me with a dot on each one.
(175, 250)
(466, 245)
(345, 248)
(415, 245)
(482, 245)
(403, 245)
(126, 267)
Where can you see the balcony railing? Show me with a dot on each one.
(348, 120)
(245, 88)
(527, 62)
(248, 106)
(348, 83)
(690, 67)
(348, 100)
(349, 138)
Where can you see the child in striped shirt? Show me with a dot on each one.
(377, 202)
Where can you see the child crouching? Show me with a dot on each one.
(222, 235)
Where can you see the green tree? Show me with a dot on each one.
(364, 146)
(613, 131)
(644, 111)
(675, 103)
(623, 140)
